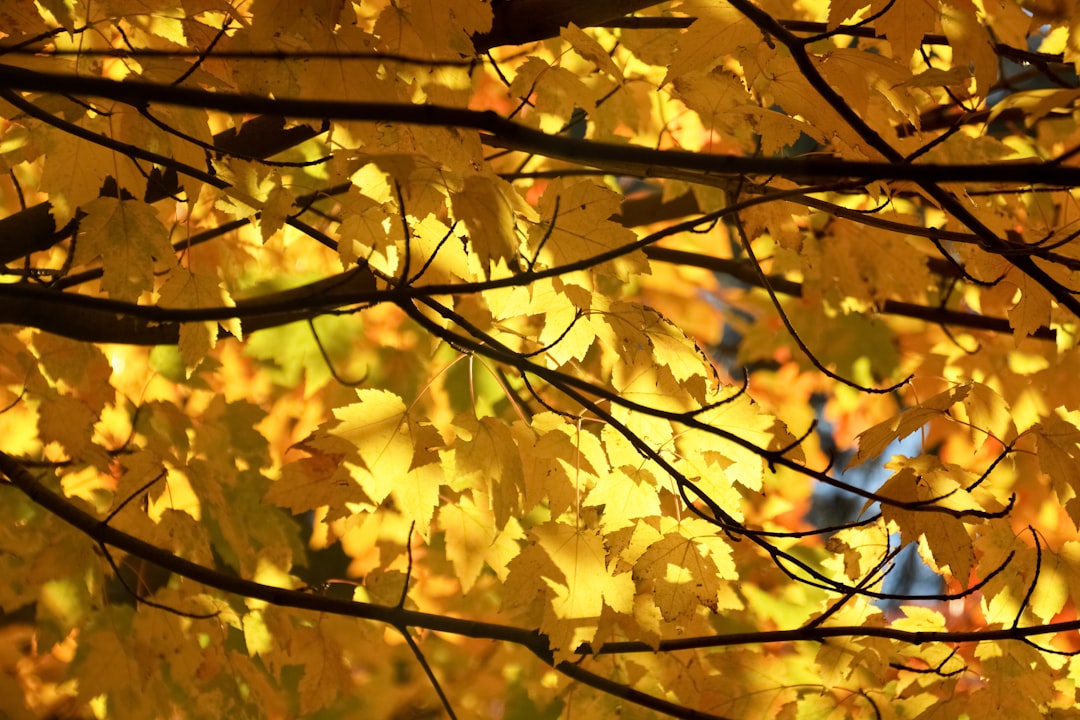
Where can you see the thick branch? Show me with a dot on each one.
(500, 132)
(99, 320)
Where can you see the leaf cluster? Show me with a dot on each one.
(530, 359)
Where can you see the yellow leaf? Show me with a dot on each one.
(623, 499)
(587, 47)
(129, 238)
(311, 483)
(579, 555)
(713, 96)
(718, 30)
(369, 232)
(275, 210)
(555, 469)
(323, 671)
(486, 455)
(857, 75)
(778, 130)
(1031, 311)
(905, 24)
(686, 574)
(1057, 441)
(451, 260)
(738, 417)
(78, 178)
(69, 422)
(101, 655)
(386, 439)
(417, 494)
(472, 540)
(188, 289)
(873, 442)
(563, 91)
(485, 205)
(577, 225)
(783, 81)
(862, 547)
(987, 410)
(971, 43)
(437, 28)
(923, 479)
(82, 367)
(841, 10)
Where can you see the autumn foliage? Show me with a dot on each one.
(536, 359)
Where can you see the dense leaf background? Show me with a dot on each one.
(537, 359)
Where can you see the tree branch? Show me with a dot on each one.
(932, 186)
(395, 616)
(631, 160)
(743, 272)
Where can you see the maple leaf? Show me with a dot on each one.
(1031, 311)
(311, 483)
(84, 369)
(554, 467)
(390, 451)
(873, 442)
(960, 22)
(276, 209)
(324, 670)
(947, 538)
(81, 177)
(129, 238)
(187, 289)
(486, 207)
(417, 493)
(485, 454)
(435, 27)
(1058, 445)
(69, 422)
(720, 99)
(566, 335)
(1018, 662)
(841, 10)
(905, 24)
(472, 540)
(739, 464)
(683, 579)
(579, 555)
(784, 83)
(588, 48)
(544, 407)
(565, 91)
(858, 76)
(624, 500)
(100, 654)
(862, 548)
(718, 30)
(578, 226)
